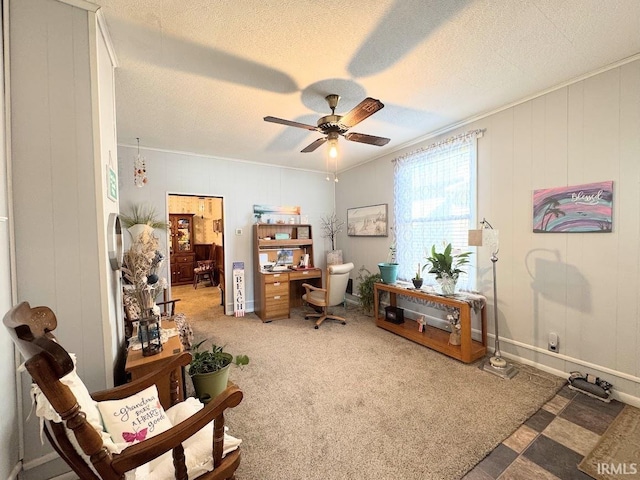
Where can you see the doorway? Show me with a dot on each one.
(197, 235)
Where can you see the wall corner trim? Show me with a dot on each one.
(90, 7)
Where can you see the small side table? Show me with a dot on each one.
(138, 365)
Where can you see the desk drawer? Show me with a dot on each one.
(304, 274)
(277, 307)
(278, 289)
(276, 277)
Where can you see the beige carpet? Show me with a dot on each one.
(357, 402)
(617, 454)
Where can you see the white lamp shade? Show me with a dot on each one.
(485, 237)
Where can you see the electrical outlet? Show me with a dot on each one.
(238, 231)
(553, 342)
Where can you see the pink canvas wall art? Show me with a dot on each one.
(580, 208)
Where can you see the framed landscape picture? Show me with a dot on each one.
(370, 221)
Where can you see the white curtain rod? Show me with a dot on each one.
(478, 133)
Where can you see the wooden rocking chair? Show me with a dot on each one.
(47, 362)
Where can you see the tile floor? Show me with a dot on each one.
(552, 442)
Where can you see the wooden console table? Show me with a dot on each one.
(437, 339)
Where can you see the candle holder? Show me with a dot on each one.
(149, 335)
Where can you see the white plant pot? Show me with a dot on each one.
(334, 257)
(139, 229)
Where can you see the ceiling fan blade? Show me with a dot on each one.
(370, 139)
(314, 145)
(363, 110)
(291, 123)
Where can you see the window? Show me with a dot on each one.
(435, 203)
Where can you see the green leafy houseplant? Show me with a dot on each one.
(417, 279)
(446, 267)
(446, 263)
(366, 280)
(208, 361)
(143, 215)
(418, 276)
(209, 370)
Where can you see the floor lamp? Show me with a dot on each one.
(487, 236)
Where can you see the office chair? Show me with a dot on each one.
(334, 294)
(74, 425)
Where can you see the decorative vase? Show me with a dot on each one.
(447, 284)
(388, 272)
(138, 229)
(417, 282)
(334, 257)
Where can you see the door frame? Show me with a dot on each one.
(224, 236)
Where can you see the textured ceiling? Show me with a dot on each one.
(199, 75)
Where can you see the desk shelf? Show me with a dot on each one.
(437, 339)
(275, 244)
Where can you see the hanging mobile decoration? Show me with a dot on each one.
(139, 169)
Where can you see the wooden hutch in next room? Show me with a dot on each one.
(278, 290)
(182, 249)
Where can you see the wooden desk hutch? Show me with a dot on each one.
(275, 292)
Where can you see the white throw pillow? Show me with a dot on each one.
(135, 418)
(197, 449)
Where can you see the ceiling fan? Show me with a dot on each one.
(334, 125)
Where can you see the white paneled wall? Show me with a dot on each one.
(241, 184)
(62, 129)
(582, 286)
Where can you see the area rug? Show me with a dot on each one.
(617, 453)
(357, 402)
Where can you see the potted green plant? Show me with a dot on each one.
(209, 370)
(446, 267)
(366, 280)
(389, 269)
(417, 280)
(141, 218)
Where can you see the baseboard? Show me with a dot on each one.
(49, 466)
(66, 476)
(597, 370)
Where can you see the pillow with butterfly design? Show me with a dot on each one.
(135, 418)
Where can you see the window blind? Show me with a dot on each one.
(435, 203)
